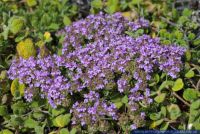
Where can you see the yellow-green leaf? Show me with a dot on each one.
(190, 94)
(178, 85)
(3, 110)
(6, 131)
(164, 126)
(125, 99)
(118, 105)
(188, 55)
(174, 111)
(160, 98)
(156, 123)
(17, 88)
(31, 3)
(3, 75)
(16, 24)
(64, 131)
(62, 120)
(67, 21)
(190, 74)
(26, 49)
(97, 4)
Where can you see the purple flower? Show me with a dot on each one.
(133, 126)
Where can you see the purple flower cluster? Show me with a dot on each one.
(92, 110)
(42, 73)
(97, 54)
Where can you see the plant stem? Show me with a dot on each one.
(198, 85)
(193, 84)
(177, 96)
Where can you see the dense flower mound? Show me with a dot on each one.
(98, 55)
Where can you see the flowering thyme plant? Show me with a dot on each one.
(98, 62)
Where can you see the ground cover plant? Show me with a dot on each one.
(99, 66)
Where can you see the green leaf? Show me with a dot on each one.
(17, 88)
(31, 3)
(135, 2)
(30, 123)
(62, 120)
(118, 104)
(186, 12)
(125, 99)
(182, 42)
(164, 126)
(3, 75)
(160, 98)
(195, 105)
(178, 85)
(190, 94)
(112, 6)
(135, 34)
(5, 32)
(191, 36)
(166, 84)
(6, 131)
(20, 37)
(16, 120)
(178, 34)
(26, 48)
(163, 75)
(190, 74)
(117, 100)
(3, 110)
(58, 111)
(98, 4)
(38, 115)
(39, 130)
(156, 123)
(194, 117)
(163, 111)
(157, 78)
(73, 131)
(166, 42)
(64, 131)
(66, 20)
(155, 116)
(196, 42)
(174, 13)
(54, 26)
(174, 111)
(182, 20)
(15, 24)
(188, 55)
(19, 108)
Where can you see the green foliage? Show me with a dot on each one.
(30, 123)
(3, 110)
(26, 49)
(31, 18)
(190, 74)
(174, 111)
(190, 94)
(17, 89)
(62, 120)
(178, 85)
(6, 131)
(194, 118)
(15, 24)
(31, 3)
(160, 98)
(64, 131)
